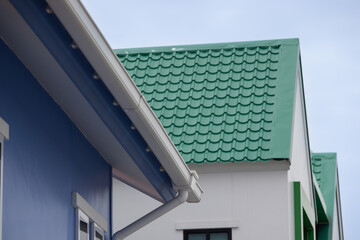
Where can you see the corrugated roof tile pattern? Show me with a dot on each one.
(316, 167)
(215, 104)
(323, 166)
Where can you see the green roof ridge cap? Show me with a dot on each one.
(207, 46)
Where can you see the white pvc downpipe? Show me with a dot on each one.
(151, 216)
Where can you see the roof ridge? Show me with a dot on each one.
(208, 46)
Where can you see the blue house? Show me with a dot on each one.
(71, 118)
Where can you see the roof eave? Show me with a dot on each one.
(89, 39)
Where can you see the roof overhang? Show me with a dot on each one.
(66, 53)
(320, 203)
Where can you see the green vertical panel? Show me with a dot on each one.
(218, 236)
(197, 236)
(297, 211)
(324, 167)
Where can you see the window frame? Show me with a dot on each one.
(4, 135)
(85, 212)
(208, 231)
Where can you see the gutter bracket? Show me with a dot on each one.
(151, 216)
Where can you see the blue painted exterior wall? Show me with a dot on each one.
(45, 160)
(57, 40)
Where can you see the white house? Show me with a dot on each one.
(236, 113)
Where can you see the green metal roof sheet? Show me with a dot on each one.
(325, 171)
(324, 168)
(221, 102)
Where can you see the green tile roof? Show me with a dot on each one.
(324, 169)
(221, 102)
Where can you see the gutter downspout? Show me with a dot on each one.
(151, 216)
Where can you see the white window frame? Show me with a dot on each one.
(86, 212)
(81, 217)
(4, 135)
(96, 230)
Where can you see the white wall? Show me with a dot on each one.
(300, 162)
(255, 203)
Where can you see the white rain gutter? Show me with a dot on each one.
(151, 216)
(93, 45)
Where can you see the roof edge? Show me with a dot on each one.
(325, 155)
(87, 36)
(207, 46)
(280, 145)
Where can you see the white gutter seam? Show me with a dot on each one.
(151, 216)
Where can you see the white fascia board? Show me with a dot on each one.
(338, 201)
(89, 39)
(317, 189)
(93, 45)
(4, 129)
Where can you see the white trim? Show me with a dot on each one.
(81, 216)
(4, 134)
(299, 84)
(317, 188)
(79, 202)
(338, 204)
(4, 128)
(207, 224)
(96, 228)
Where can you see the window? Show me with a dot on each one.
(89, 223)
(82, 225)
(97, 232)
(208, 234)
(4, 134)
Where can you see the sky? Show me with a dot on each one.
(329, 33)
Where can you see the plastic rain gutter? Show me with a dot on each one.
(93, 45)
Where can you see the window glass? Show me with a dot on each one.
(197, 236)
(208, 234)
(219, 236)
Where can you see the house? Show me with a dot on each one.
(236, 112)
(71, 119)
(327, 179)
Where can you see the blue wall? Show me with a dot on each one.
(45, 160)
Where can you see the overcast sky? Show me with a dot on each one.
(329, 33)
